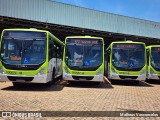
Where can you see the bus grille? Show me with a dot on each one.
(82, 77)
(131, 77)
(11, 78)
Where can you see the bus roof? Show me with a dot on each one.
(153, 46)
(133, 42)
(84, 37)
(25, 29)
(88, 37)
(35, 30)
(128, 42)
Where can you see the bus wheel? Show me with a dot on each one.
(108, 71)
(53, 77)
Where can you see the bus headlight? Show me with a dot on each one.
(66, 70)
(100, 72)
(41, 72)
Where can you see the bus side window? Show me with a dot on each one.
(52, 50)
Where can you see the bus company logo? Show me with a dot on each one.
(6, 114)
(11, 72)
(124, 73)
(75, 72)
(22, 115)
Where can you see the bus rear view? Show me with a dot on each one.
(127, 60)
(83, 59)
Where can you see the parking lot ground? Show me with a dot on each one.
(123, 96)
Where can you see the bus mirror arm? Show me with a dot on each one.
(109, 52)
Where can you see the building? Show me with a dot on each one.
(63, 20)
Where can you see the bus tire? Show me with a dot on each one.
(53, 77)
(105, 69)
(108, 70)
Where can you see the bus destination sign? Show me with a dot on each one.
(85, 41)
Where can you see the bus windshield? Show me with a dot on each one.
(80, 55)
(128, 56)
(155, 57)
(23, 47)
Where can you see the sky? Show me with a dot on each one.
(143, 9)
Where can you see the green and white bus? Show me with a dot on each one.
(153, 62)
(83, 59)
(126, 60)
(29, 56)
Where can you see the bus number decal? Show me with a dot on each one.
(75, 72)
(11, 72)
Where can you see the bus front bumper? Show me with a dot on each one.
(127, 77)
(153, 76)
(36, 78)
(95, 78)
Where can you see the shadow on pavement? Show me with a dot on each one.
(156, 82)
(131, 83)
(85, 84)
(35, 87)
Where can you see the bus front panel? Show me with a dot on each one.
(23, 56)
(83, 59)
(127, 61)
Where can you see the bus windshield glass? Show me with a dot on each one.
(128, 56)
(23, 47)
(155, 57)
(84, 53)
